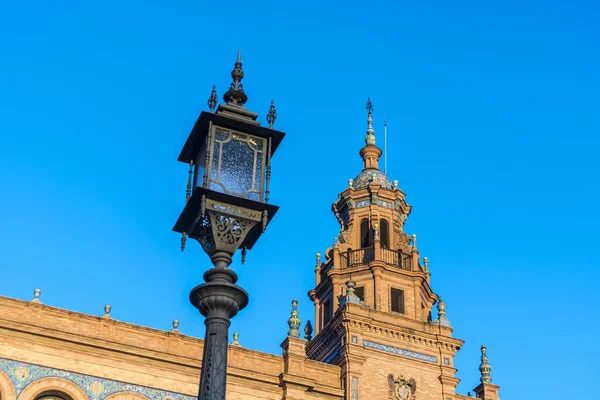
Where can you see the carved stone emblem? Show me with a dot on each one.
(344, 237)
(350, 204)
(401, 388)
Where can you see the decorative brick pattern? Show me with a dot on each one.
(23, 374)
(401, 352)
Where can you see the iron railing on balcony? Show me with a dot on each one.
(397, 259)
(364, 256)
(353, 258)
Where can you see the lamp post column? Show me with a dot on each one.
(218, 300)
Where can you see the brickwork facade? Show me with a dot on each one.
(376, 337)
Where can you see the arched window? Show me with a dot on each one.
(384, 234)
(364, 233)
(53, 395)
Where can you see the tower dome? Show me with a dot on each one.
(372, 176)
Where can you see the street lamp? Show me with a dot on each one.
(227, 209)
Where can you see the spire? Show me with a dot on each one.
(370, 153)
(294, 320)
(235, 95)
(485, 368)
(370, 139)
(212, 99)
(272, 115)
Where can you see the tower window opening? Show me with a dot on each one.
(360, 293)
(384, 234)
(397, 297)
(364, 233)
(327, 312)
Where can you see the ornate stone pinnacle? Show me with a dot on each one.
(414, 242)
(212, 100)
(442, 320)
(318, 260)
(36, 296)
(370, 139)
(485, 368)
(426, 265)
(294, 320)
(351, 183)
(235, 95)
(175, 326)
(272, 115)
(107, 309)
(351, 296)
(441, 306)
(308, 330)
(235, 342)
(396, 184)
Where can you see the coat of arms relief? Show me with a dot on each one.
(401, 388)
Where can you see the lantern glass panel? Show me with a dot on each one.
(237, 165)
(200, 168)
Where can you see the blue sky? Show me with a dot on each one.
(493, 129)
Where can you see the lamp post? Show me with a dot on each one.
(229, 155)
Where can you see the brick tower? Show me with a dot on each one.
(373, 299)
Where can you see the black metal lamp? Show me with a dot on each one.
(227, 209)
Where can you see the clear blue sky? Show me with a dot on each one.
(493, 114)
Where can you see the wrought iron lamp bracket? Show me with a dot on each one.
(224, 227)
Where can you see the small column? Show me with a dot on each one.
(415, 254)
(317, 315)
(486, 390)
(336, 254)
(318, 270)
(376, 242)
(377, 272)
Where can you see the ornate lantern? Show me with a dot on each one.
(230, 155)
(227, 208)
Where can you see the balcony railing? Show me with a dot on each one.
(397, 259)
(353, 258)
(364, 256)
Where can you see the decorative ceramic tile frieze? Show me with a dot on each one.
(385, 204)
(402, 352)
(354, 388)
(363, 203)
(23, 374)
